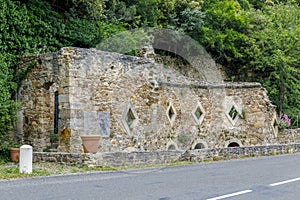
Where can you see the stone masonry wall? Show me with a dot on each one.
(138, 105)
(44, 75)
(37, 97)
(288, 136)
(117, 159)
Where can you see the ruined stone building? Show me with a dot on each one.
(136, 104)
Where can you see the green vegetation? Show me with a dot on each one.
(35, 27)
(13, 172)
(47, 169)
(8, 171)
(255, 40)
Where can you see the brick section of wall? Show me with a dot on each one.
(115, 159)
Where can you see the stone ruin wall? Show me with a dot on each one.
(102, 87)
(44, 75)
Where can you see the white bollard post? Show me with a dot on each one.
(25, 159)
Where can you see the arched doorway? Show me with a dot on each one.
(199, 146)
(233, 144)
(171, 147)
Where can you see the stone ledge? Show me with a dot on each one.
(207, 85)
(117, 159)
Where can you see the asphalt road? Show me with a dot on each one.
(264, 178)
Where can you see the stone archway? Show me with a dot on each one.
(233, 143)
(199, 144)
(171, 146)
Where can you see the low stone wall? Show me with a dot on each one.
(135, 158)
(289, 136)
(203, 155)
(116, 159)
(109, 159)
(61, 158)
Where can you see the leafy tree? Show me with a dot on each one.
(7, 106)
(224, 30)
(10, 41)
(276, 59)
(189, 21)
(150, 13)
(90, 8)
(257, 41)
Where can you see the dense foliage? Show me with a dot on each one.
(34, 27)
(277, 41)
(256, 40)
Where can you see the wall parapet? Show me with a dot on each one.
(117, 159)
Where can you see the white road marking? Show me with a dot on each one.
(230, 195)
(284, 182)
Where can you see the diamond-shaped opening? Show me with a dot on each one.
(198, 113)
(233, 113)
(171, 112)
(130, 118)
(275, 126)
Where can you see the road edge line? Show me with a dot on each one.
(231, 195)
(284, 182)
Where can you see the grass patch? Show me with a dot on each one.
(217, 158)
(11, 171)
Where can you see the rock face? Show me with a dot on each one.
(136, 105)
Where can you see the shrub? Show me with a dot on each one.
(284, 121)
